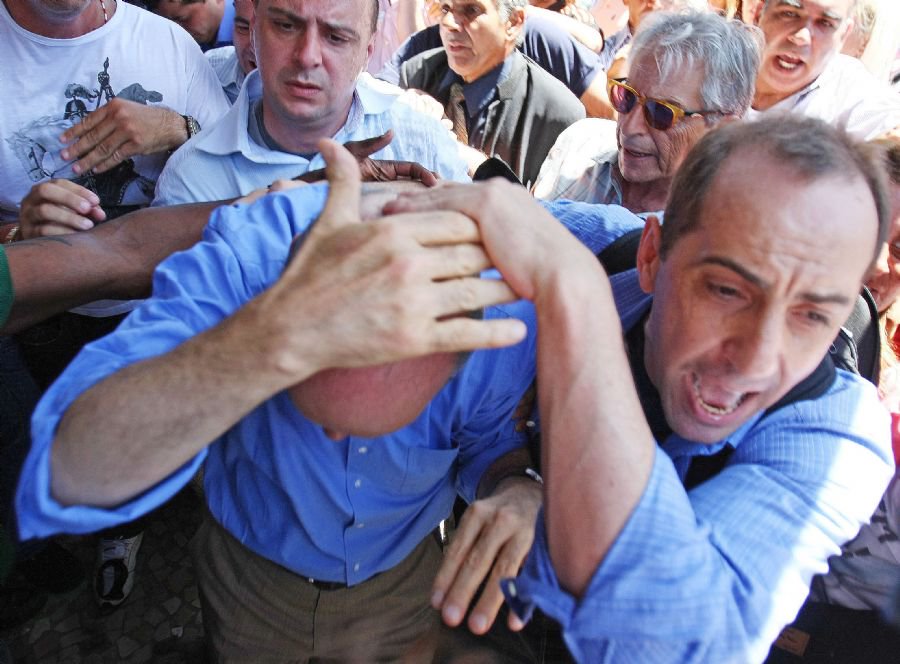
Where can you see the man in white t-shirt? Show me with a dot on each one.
(99, 93)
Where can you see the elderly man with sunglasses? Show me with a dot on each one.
(689, 72)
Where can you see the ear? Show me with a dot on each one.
(515, 23)
(648, 259)
(847, 28)
(758, 12)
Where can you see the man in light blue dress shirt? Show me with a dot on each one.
(734, 303)
(308, 85)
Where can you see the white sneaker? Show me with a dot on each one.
(114, 575)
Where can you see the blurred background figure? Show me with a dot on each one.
(209, 22)
(875, 37)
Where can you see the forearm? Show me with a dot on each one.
(115, 260)
(597, 449)
(596, 100)
(159, 413)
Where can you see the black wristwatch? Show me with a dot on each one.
(193, 127)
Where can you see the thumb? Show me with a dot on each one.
(344, 186)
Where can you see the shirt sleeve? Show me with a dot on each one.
(712, 575)
(499, 380)
(192, 291)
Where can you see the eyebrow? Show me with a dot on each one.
(296, 18)
(759, 282)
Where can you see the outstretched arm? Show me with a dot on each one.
(597, 447)
(115, 260)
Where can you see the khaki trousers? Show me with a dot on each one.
(257, 611)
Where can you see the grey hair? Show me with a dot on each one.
(728, 50)
(506, 7)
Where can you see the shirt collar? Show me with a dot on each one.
(230, 134)
(482, 91)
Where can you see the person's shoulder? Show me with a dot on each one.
(849, 411)
(552, 93)
(595, 225)
(263, 231)
(425, 65)
(142, 20)
(590, 136)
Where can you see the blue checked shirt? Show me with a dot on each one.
(713, 574)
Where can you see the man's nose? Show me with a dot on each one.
(883, 265)
(802, 36)
(633, 122)
(448, 21)
(307, 50)
(756, 348)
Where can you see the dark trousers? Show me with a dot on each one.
(831, 634)
(257, 611)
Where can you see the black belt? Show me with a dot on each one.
(437, 533)
(326, 585)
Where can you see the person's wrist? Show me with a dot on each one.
(12, 235)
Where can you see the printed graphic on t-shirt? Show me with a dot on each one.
(38, 145)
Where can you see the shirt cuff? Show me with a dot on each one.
(614, 605)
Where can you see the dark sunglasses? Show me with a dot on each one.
(659, 114)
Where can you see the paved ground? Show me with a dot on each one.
(160, 621)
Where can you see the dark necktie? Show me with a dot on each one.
(456, 112)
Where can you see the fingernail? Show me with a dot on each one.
(76, 168)
(479, 623)
(452, 615)
(84, 207)
(437, 598)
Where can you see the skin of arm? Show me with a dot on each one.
(596, 100)
(367, 294)
(114, 260)
(596, 445)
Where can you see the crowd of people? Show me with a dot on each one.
(555, 332)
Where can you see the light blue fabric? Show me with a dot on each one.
(224, 62)
(713, 575)
(225, 33)
(336, 511)
(223, 162)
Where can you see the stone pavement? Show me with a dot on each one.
(160, 621)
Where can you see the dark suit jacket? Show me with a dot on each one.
(522, 123)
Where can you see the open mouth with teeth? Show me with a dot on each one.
(721, 404)
(787, 62)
